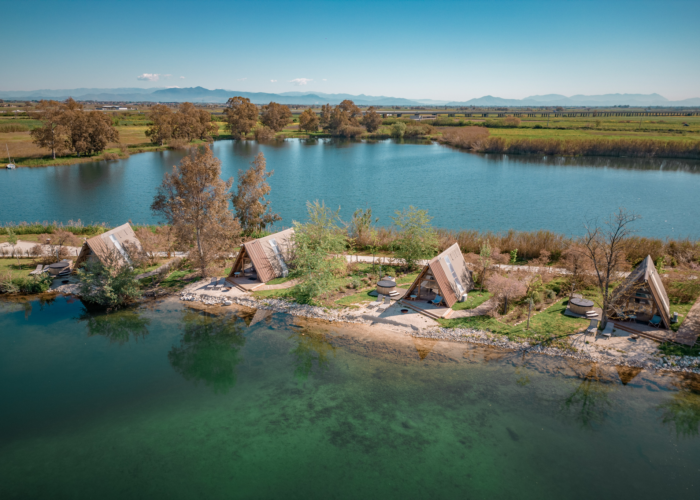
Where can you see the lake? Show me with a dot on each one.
(460, 190)
(164, 401)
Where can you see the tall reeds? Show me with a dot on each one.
(632, 148)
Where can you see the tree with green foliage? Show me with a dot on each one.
(109, 282)
(417, 238)
(398, 129)
(252, 209)
(209, 350)
(316, 245)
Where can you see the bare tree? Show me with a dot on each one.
(194, 200)
(604, 245)
(484, 262)
(252, 209)
(241, 116)
(506, 289)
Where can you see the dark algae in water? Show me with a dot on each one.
(166, 401)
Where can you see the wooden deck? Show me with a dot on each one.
(245, 284)
(428, 309)
(657, 334)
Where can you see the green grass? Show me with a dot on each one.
(10, 265)
(474, 299)
(551, 322)
(278, 281)
(356, 298)
(677, 350)
(175, 279)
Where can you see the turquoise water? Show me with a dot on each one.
(461, 190)
(167, 402)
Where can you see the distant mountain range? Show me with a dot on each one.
(202, 95)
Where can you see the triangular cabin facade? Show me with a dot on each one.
(643, 294)
(447, 273)
(100, 246)
(265, 257)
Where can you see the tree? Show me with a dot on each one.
(241, 116)
(51, 134)
(88, 132)
(12, 240)
(316, 244)
(484, 262)
(194, 200)
(417, 239)
(372, 120)
(308, 121)
(506, 289)
(108, 282)
(605, 248)
(326, 112)
(276, 116)
(161, 128)
(191, 123)
(252, 210)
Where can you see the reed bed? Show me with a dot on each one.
(12, 127)
(631, 148)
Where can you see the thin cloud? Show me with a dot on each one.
(151, 77)
(273, 81)
(182, 78)
(241, 79)
(325, 80)
(167, 76)
(301, 81)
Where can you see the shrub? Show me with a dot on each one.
(417, 239)
(179, 144)
(263, 133)
(350, 131)
(108, 284)
(398, 129)
(110, 156)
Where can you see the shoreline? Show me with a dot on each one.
(149, 148)
(675, 364)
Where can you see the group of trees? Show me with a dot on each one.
(187, 123)
(345, 119)
(242, 117)
(66, 126)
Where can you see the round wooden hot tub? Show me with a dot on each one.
(385, 287)
(580, 305)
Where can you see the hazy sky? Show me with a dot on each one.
(414, 49)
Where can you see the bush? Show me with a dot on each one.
(263, 133)
(179, 144)
(111, 284)
(350, 131)
(110, 156)
(398, 129)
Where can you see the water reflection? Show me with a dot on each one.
(118, 327)
(209, 350)
(682, 412)
(667, 164)
(590, 402)
(311, 353)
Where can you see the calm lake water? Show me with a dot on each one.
(461, 190)
(163, 401)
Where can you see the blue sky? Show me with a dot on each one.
(437, 50)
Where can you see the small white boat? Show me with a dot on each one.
(10, 165)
